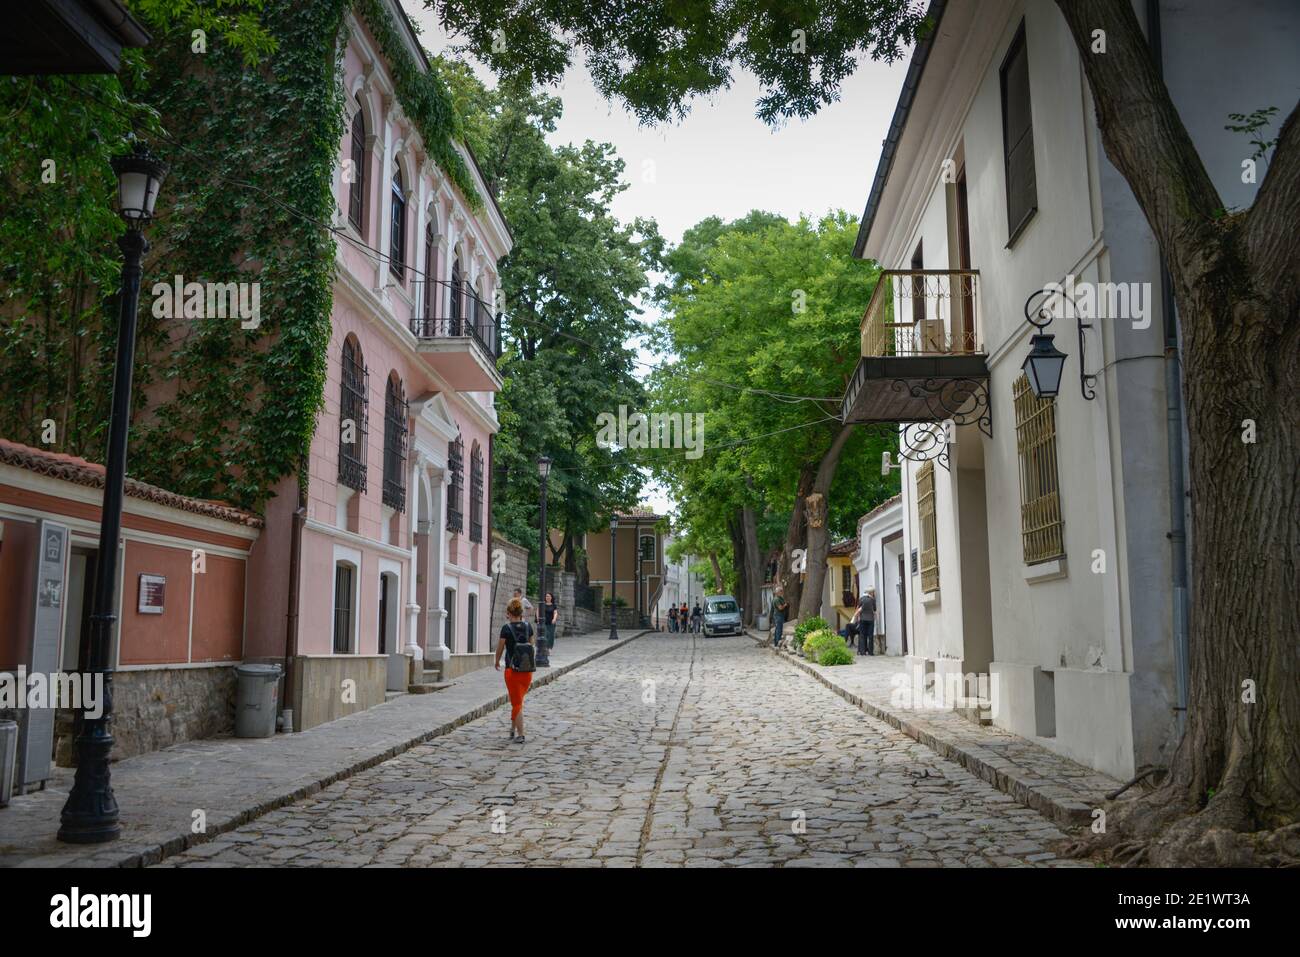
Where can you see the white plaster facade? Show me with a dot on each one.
(1085, 659)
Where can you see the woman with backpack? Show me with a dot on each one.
(519, 648)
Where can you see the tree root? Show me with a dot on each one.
(1157, 830)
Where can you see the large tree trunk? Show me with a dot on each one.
(752, 594)
(789, 571)
(1236, 280)
(719, 586)
(818, 540)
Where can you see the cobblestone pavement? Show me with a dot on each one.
(674, 750)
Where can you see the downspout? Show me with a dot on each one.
(295, 565)
(1174, 433)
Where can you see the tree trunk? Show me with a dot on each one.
(1236, 281)
(752, 594)
(736, 531)
(789, 570)
(719, 585)
(818, 543)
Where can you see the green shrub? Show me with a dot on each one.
(817, 642)
(815, 623)
(836, 656)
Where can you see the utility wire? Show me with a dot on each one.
(379, 257)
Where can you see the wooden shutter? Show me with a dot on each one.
(1018, 137)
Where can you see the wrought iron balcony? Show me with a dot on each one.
(922, 360)
(450, 320)
(922, 312)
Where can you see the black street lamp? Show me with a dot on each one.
(613, 577)
(90, 815)
(543, 651)
(1043, 366)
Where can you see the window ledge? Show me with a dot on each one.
(930, 597)
(1045, 571)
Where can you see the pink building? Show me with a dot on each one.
(376, 566)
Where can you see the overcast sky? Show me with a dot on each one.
(721, 160)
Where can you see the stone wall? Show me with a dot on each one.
(318, 686)
(157, 708)
(513, 575)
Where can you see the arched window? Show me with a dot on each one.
(427, 284)
(357, 188)
(353, 417)
(456, 485)
(476, 494)
(457, 293)
(395, 431)
(397, 252)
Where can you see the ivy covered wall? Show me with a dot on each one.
(222, 411)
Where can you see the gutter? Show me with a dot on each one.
(901, 112)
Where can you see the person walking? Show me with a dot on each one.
(517, 645)
(696, 617)
(865, 619)
(780, 612)
(683, 618)
(550, 618)
(524, 603)
(672, 619)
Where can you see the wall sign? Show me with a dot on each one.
(152, 589)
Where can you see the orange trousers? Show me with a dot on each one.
(517, 683)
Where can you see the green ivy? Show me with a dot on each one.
(220, 411)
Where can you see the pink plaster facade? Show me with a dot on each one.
(404, 327)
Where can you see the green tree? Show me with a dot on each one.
(763, 319)
(1236, 283)
(570, 287)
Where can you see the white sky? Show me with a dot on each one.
(721, 160)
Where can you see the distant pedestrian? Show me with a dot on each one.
(524, 603)
(780, 612)
(683, 618)
(865, 620)
(550, 618)
(696, 616)
(516, 643)
(672, 619)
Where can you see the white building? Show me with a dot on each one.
(680, 585)
(1044, 539)
(881, 563)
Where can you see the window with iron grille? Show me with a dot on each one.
(1018, 137)
(929, 532)
(476, 495)
(428, 285)
(357, 188)
(343, 608)
(456, 487)
(457, 294)
(1042, 531)
(397, 252)
(353, 418)
(396, 412)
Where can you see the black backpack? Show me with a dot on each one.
(523, 657)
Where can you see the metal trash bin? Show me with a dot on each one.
(257, 693)
(8, 760)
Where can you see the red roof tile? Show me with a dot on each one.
(69, 468)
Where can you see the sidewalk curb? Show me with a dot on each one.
(1034, 793)
(146, 855)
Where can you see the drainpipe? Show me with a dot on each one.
(291, 621)
(1174, 432)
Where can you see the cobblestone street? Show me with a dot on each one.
(674, 750)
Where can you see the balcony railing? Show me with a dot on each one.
(923, 312)
(445, 310)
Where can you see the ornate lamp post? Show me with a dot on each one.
(90, 815)
(613, 576)
(543, 652)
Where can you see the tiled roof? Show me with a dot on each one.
(882, 507)
(69, 468)
(846, 547)
(638, 512)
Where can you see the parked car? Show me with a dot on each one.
(722, 616)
